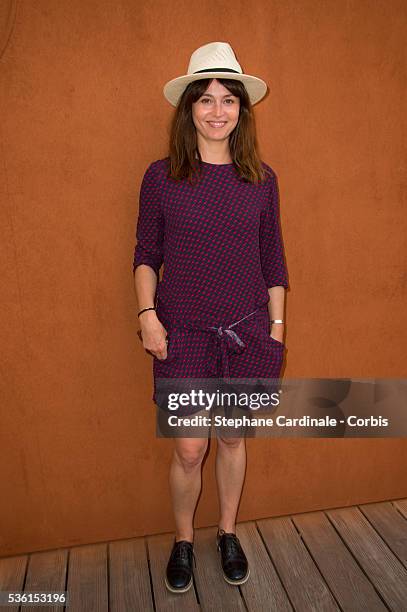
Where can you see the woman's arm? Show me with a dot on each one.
(145, 284)
(152, 331)
(276, 311)
(272, 259)
(148, 258)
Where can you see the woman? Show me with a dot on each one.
(210, 212)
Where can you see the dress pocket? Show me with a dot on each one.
(276, 342)
(263, 329)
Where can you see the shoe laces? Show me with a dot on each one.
(183, 551)
(232, 543)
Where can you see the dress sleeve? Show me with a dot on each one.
(150, 224)
(271, 244)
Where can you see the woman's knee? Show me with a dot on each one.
(229, 442)
(190, 451)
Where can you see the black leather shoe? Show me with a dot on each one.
(178, 578)
(234, 563)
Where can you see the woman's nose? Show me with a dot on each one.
(218, 110)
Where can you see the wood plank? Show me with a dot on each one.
(263, 590)
(87, 578)
(12, 575)
(391, 526)
(129, 576)
(159, 549)
(360, 552)
(214, 592)
(377, 560)
(129, 587)
(302, 580)
(351, 588)
(12, 572)
(401, 506)
(46, 572)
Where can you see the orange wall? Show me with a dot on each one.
(82, 115)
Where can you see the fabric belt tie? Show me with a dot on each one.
(226, 338)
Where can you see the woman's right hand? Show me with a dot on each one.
(153, 334)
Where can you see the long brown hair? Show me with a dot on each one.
(183, 149)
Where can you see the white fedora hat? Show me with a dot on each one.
(214, 60)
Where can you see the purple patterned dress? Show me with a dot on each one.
(221, 247)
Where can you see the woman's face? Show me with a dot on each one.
(216, 113)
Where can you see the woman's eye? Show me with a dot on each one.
(208, 100)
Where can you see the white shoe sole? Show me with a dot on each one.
(237, 582)
(184, 590)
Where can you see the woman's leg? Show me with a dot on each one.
(185, 483)
(230, 472)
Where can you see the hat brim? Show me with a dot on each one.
(256, 88)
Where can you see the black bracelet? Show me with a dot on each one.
(144, 309)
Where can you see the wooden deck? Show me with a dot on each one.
(352, 558)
